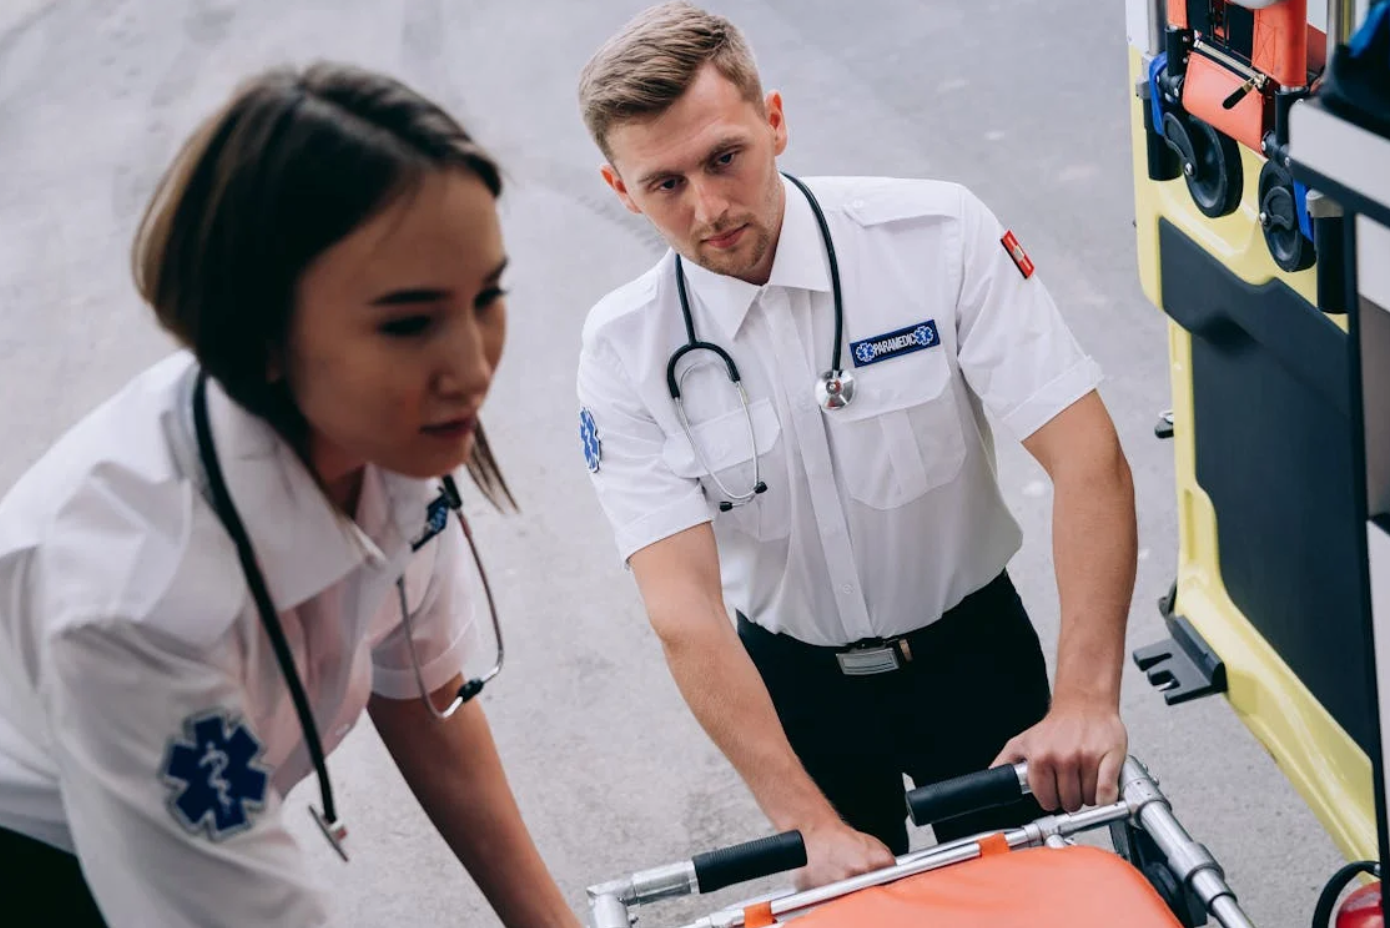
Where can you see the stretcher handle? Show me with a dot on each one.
(973, 792)
(749, 861)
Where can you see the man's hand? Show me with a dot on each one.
(1074, 754)
(834, 852)
(679, 580)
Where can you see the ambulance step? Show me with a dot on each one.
(1183, 667)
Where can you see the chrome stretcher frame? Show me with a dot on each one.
(1142, 808)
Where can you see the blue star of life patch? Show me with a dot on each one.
(214, 779)
(588, 434)
(915, 337)
(436, 520)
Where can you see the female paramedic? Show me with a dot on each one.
(204, 582)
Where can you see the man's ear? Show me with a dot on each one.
(612, 179)
(776, 120)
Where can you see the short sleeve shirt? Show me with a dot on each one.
(145, 724)
(879, 516)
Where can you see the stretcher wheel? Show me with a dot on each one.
(1210, 163)
(1287, 244)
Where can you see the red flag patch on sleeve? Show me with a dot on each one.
(1015, 250)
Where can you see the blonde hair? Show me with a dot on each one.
(650, 63)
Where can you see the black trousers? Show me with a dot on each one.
(977, 678)
(50, 887)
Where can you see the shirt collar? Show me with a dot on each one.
(800, 262)
(303, 544)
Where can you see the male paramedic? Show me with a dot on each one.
(828, 471)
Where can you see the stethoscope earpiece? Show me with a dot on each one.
(759, 487)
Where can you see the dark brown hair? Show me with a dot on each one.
(651, 62)
(290, 165)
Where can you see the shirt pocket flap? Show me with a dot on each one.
(900, 383)
(723, 440)
(904, 429)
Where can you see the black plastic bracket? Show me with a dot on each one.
(1164, 427)
(1329, 239)
(1184, 666)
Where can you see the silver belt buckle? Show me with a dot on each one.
(865, 662)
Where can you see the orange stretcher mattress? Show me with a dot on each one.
(1073, 887)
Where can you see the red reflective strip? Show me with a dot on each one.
(1015, 250)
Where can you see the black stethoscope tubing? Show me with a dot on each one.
(694, 344)
(332, 827)
(226, 511)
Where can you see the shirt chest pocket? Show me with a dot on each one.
(901, 436)
(722, 459)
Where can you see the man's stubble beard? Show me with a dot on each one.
(758, 240)
(758, 237)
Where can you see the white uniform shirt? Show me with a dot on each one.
(880, 516)
(127, 628)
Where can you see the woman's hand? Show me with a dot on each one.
(453, 768)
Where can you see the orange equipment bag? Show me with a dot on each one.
(1072, 887)
(1207, 86)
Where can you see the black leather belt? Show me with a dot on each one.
(865, 658)
(873, 656)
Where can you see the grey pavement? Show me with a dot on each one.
(1023, 101)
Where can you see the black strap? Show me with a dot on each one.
(226, 511)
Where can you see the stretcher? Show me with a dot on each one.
(1035, 875)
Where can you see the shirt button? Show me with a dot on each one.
(847, 588)
(858, 204)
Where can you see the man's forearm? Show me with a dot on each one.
(1095, 552)
(728, 698)
(454, 770)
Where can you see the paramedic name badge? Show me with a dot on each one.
(915, 337)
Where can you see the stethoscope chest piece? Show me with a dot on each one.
(335, 831)
(835, 389)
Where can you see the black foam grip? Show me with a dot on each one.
(749, 861)
(937, 802)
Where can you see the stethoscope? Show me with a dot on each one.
(834, 388)
(437, 518)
